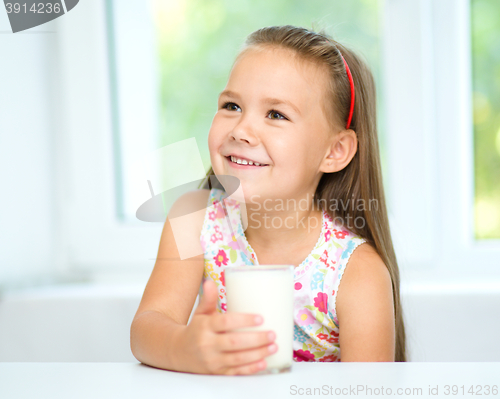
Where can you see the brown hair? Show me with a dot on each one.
(361, 180)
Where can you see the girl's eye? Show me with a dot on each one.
(274, 114)
(228, 106)
(280, 116)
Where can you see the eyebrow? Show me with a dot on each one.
(268, 100)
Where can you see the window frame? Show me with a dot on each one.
(97, 244)
(440, 66)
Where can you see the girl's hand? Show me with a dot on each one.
(215, 349)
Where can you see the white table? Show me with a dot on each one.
(135, 380)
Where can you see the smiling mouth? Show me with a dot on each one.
(244, 162)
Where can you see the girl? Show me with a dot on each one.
(296, 128)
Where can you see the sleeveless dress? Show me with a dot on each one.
(316, 279)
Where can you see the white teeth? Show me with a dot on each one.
(244, 161)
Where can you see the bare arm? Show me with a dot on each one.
(154, 340)
(169, 295)
(159, 335)
(365, 309)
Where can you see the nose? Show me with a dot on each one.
(244, 132)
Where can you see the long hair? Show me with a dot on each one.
(360, 182)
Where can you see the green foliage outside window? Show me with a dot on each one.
(485, 24)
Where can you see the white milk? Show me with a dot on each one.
(266, 290)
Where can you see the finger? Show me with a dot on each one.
(246, 369)
(241, 358)
(237, 341)
(230, 321)
(208, 301)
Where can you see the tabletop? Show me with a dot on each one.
(136, 380)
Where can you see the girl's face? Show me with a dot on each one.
(271, 112)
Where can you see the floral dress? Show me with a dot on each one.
(316, 279)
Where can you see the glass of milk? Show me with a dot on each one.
(266, 290)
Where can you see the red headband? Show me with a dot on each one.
(351, 82)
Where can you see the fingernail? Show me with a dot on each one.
(258, 319)
(273, 348)
(271, 335)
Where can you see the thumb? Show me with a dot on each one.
(208, 301)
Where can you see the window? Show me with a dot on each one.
(430, 141)
(485, 24)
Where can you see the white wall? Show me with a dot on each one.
(455, 324)
(27, 208)
(73, 323)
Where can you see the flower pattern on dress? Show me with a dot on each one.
(299, 335)
(221, 258)
(322, 336)
(316, 279)
(329, 358)
(341, 234)
(217, 235)
(347, 252)
(303, 356)
(321, 302)
(324, 258)
(305, 317)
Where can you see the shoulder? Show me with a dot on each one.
(185, 220)
(366, 257)
(366, 279)
(365, 309)
(340, 239)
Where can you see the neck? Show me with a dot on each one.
(276, 225)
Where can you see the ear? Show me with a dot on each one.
(340, 152)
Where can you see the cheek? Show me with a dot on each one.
(211, 142)
(214, 135)
(217, 130)
(289, 152)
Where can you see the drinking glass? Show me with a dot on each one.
(266, 290)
